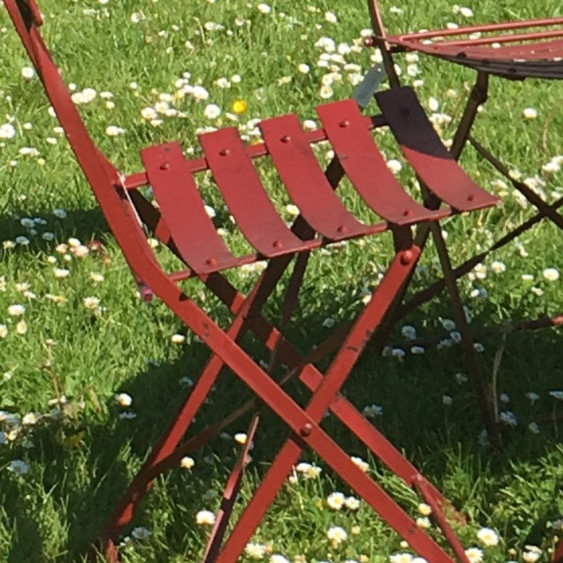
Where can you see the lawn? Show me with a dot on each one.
(90, 375)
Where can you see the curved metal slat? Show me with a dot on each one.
(551, 70)
(533, 51)
(538, 51)
(427, 155)
(503, 40)
(244, 194)
(305, 181)
(365, 166)
(194, 235)
(546, 60)
(488, 28)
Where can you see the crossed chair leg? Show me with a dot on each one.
(304, 423)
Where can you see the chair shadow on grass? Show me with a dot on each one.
(86, 225)
(433, 436)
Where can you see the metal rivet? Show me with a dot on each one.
(211, 262)
(224, 152)
(344, 123)
(165, 166)
(407, 213)
(306, 429)
(407, 257)
(470, 197)
(342, 229)
(286, 139)
(277, 244)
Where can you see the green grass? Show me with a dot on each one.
(81, 453)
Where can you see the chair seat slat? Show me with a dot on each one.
(551, 70)
(365, 166)
(245, 195)
(427, 155)
(174, 187)
(539, 51)
(490, 28)
(305, 181)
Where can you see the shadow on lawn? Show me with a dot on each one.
(86, 481)
(86, 225)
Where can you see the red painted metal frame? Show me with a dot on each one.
(513, 50)
(183, 225)
(341, 408)
(537, 37)
(538, 40)
(512, 42)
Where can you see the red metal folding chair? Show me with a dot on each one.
(513, 50)
(323, 220)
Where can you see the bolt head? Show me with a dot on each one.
(407, 257)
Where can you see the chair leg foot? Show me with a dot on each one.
(103, 550)
(483, 392)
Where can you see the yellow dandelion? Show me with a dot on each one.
(238, 107)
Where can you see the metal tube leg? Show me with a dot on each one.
(483, 395)
(335, 457)
(342, 465)
(124, 511)
(478, 96)
(229, 497)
